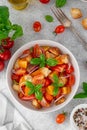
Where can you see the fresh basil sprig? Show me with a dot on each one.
(84, 93)
(6, 27)
(60, 3)
(35, 90)
(56, 84)
(49, 18)
(42, 61)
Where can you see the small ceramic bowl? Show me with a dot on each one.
(43, 43)
(72, 122)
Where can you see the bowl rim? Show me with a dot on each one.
(48, 41)
(72, 123)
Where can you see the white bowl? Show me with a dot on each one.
(72, 123)
(19, 52)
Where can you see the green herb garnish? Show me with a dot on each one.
(6, 27)
(84, 93)
(35, 90)
(56, 84)
(42, 61)
(60, 3)
(49, 18)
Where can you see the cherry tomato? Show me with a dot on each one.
(37, 26)
(5, 54)
(44, 1)
(48, 97)
(71, 80)
(7, 43)
(1, 65)
(26, 98)
(70, 69)
(60, 118)
(15, 77)
(59, 68)
(59, 29)
(47, 82)
(37, 51)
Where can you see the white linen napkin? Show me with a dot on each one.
(10, 117)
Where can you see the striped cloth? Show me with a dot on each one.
(10, 117)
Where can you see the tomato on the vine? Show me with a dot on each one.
(44, 1)
(7, 43)
(37, 26)
(60, 118)
(5, 54)
(1, 65)
(59, 29)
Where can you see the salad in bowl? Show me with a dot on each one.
(44, 75)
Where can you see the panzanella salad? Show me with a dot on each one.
(43, 75)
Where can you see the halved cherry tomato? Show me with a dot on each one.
(60, 118)
(59, 68)
(47, 82)
(7, 43)
(5, 54)
(70, 69)
(37, 51)
(71, 80)
(15, 77)
(44, 1)
(48, 97)
(26, 98)
(1, 65)
(59, 29)
(37, 26)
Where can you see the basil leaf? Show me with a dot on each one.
(55, 78)
(42, 58)
(49, 18)
(4, 14)
(60, 85)
(51, 62)
(81, 95)
(31, 91)
(38, 87)
(8, 25)
(85, 87)
(60, 3)
(18, 31)
(29, 84)
(38, 95)
(42, 64)
(3, 34)
(55, 91)
(35, 61)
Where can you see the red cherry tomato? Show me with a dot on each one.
(26, 98)
(60, 118)
(37, 26)
(37, 51)
(15, 77)
(44, 1)
(59, 68)
(59, 29)
(7, 43)
(70, 69)
(1, 65)
(47, 82)
(5, 54)
(71, 80)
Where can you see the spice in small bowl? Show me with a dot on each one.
(78, 118)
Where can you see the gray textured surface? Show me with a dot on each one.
(26, 17)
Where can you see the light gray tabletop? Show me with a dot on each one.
(37, 11)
